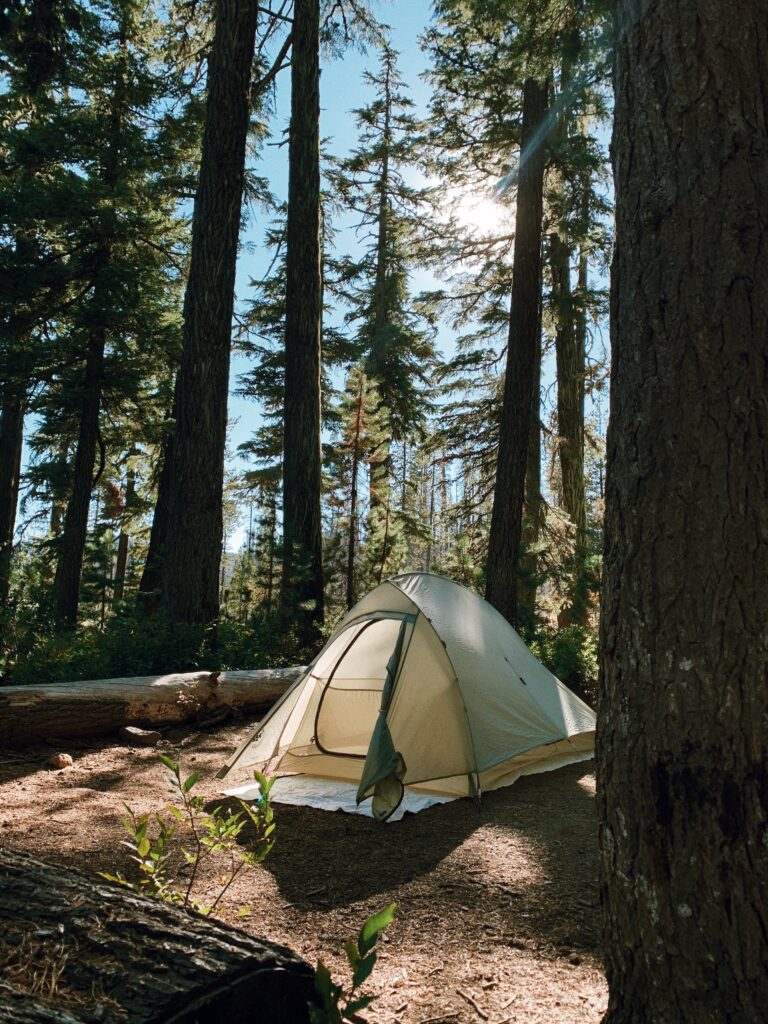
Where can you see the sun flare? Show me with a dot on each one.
(480, 212)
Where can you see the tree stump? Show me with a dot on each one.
(78, 950)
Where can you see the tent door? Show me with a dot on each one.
(351, 699)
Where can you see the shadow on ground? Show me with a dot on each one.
(523, 868)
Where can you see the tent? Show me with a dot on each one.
(423, 685)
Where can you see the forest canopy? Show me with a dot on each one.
(402, 290)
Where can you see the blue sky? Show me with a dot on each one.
(341, 91)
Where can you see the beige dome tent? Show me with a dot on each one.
(423, 685)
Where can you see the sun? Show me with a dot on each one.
(481, 213)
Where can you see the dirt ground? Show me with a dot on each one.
(498, 916)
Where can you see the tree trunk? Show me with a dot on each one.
(148, 597)
(156, 963)
(522, 348)
(195, 482)
(66, 583)
(569, 355)
(97, 706)
(11, 442)
(302, 582)
(532, 520)
(356, 452)
(272, 546)
(431, 520)
(121, 562)
(682, 739)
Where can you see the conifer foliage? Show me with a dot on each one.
(383, 350)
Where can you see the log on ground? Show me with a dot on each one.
(98, 706)
(76, 950)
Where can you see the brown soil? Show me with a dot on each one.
(498, 916)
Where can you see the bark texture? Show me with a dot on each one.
(156, 963)
(11, 441)
(682, 734)
(98, 706)
(521, 367)
(302, 582)
(190, 563)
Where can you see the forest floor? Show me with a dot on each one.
(498, 917)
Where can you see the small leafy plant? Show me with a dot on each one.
(208, 834)
(338, 1005)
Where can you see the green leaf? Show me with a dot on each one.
(244, 912)
(323, 981)
(376, 923)
(170, 764)
(360, 1004)
(363, 970)
(144, 847)
(190, 781)
(352, 954)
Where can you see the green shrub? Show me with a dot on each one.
(132, 645)
(207, 834)
(571, 653)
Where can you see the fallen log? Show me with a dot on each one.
(76, 950)
(98, 706)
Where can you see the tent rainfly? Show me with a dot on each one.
(423, 685)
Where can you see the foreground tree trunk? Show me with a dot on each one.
(522, 351)
(195, 481)
(302, 582)
(683, 724)
(156, 963)
(11, 442)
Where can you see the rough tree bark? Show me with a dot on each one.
(11, 441)
(522, 349)
(195, 481)
(98, 706)
(154, 963)
(302, 570)
(682, 739)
